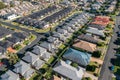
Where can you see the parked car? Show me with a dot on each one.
(112, 68)
(118, 33)
(119, 26)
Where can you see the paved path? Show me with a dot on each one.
(105, 73)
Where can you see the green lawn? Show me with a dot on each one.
(117, 70)
(51, 60)
(36, 77)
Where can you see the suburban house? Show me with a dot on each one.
(23, 69)
(96, 32)
(89, 38)
(67, 71)
(14, 40)
(5, 33)
(2, 50)
(98, 26)
(60, 36)
(42, 52)
(82, 58)
(101, 20)
(10, 16)
(33, 59)
(54, 40)
(21, 35)
(49, 46)
(90, 47)
(64, 32)
(9, 75)
(69, 29)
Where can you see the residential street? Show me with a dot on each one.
(105, 73)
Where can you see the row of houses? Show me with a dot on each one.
(32, 60)
(88, 42)
(21, 9)
(36, 23)
(33, 19)
(31, 22)
(10, 39)
(41, 53)
(58, 15)
(44, 12)
(64, 31)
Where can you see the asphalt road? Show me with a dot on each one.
(25, 30)
(105, 73)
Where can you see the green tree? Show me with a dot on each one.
(13, 58)
(2, 5)
(96, 54)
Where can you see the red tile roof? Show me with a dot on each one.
(101, 20)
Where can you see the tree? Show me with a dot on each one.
(91, 68)
(100, 43)
(13, 58)
(2, 5)
(96, 54)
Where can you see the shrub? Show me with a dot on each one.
(95, 74)
(100, 43)
(96, 54)
(91, 68)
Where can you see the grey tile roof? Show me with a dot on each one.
(30, 57)
(68, 71)
(49, 46)
(88, 37)
(38, 50)
(4, 32)
(9, 75)
(38, 64)
(21, 67)
(95, 32)
(28, 73)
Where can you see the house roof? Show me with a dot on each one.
(13, 39)
(21, 67)
(21, 35)
(95, 32)
(38, 63)
(89, 38)
(30, 57)
(68, 71)
(82, 58)
(48, 46)
(28, 73)
(9, 75)
(6, 44)
(4, 32)
(99, 27)
(85, 45)
(101, 20)
(38, 50)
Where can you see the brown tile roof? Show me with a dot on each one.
(85, 45)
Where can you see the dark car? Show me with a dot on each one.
(119, 26)
(118, 33)
(112, 68)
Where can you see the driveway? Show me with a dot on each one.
(96, 60)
